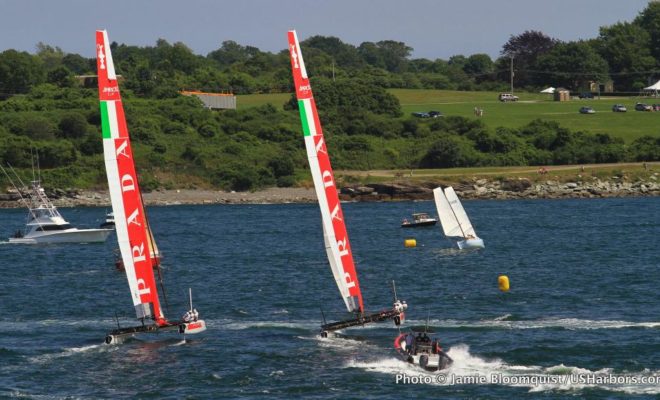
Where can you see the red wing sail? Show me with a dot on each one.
(130, 220)
(337, 244)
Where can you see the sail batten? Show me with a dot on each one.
(130, 220)
(340, 256)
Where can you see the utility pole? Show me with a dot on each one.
(511, 74)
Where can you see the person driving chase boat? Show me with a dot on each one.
(190, 315)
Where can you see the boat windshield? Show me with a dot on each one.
(53, 227)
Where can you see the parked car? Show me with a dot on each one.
(656, 107)
(434, 114)
(619, 108)
(421, 115)
(507, 97)
(586, 95)
(587, 110)
(643, 107)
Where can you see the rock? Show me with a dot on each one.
(515, 185)
(365, 190)
(571, 185)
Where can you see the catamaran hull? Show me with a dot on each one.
(66, 236)
(118, 336)
(476, 243)
(428, 361)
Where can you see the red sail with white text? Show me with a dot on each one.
(336, 240)
(130, 219)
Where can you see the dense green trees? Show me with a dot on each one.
(571, 65)
(45, 107)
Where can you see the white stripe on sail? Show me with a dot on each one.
(337, 270)
(300, 61)
(110, 65)
(461, 215)
(112, 120)
(121, 228)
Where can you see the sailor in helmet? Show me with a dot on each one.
(399, 306)
(188, 316)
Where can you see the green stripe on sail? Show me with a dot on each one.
(303, 118)
(105, 121)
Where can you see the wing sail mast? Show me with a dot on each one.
(130, 219)
(335, 235)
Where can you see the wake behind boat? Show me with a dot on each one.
(454, 220)
(133, 233)
(44, 223)
(419, 219)
(335, 235)
(417, 348)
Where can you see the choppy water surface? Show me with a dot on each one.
(584, 302)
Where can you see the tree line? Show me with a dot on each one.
(44, 107)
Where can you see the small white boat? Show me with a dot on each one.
(419, 219)
(46, 225)
(455, 222)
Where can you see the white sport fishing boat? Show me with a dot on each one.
(45, 224)
(133, 233)
(337, 246)
(455, 222)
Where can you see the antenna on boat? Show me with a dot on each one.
(38, 166)
(32, 159)
(394, 291)
(190, 297)
(323, 316)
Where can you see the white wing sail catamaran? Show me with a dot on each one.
(133, 233)
(335, 236)
(455, 222)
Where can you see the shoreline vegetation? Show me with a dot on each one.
(570, 181)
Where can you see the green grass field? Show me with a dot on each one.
(628, 126)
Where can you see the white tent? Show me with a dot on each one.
(655, 87)
(548, 90)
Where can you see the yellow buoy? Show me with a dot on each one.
(410, 242)
(503, 283)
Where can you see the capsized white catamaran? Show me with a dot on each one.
(335, 235)
(130, 219)
(454, 220)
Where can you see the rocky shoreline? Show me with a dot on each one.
(483, 189)
(520, 188)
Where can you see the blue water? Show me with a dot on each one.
(584, 299)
